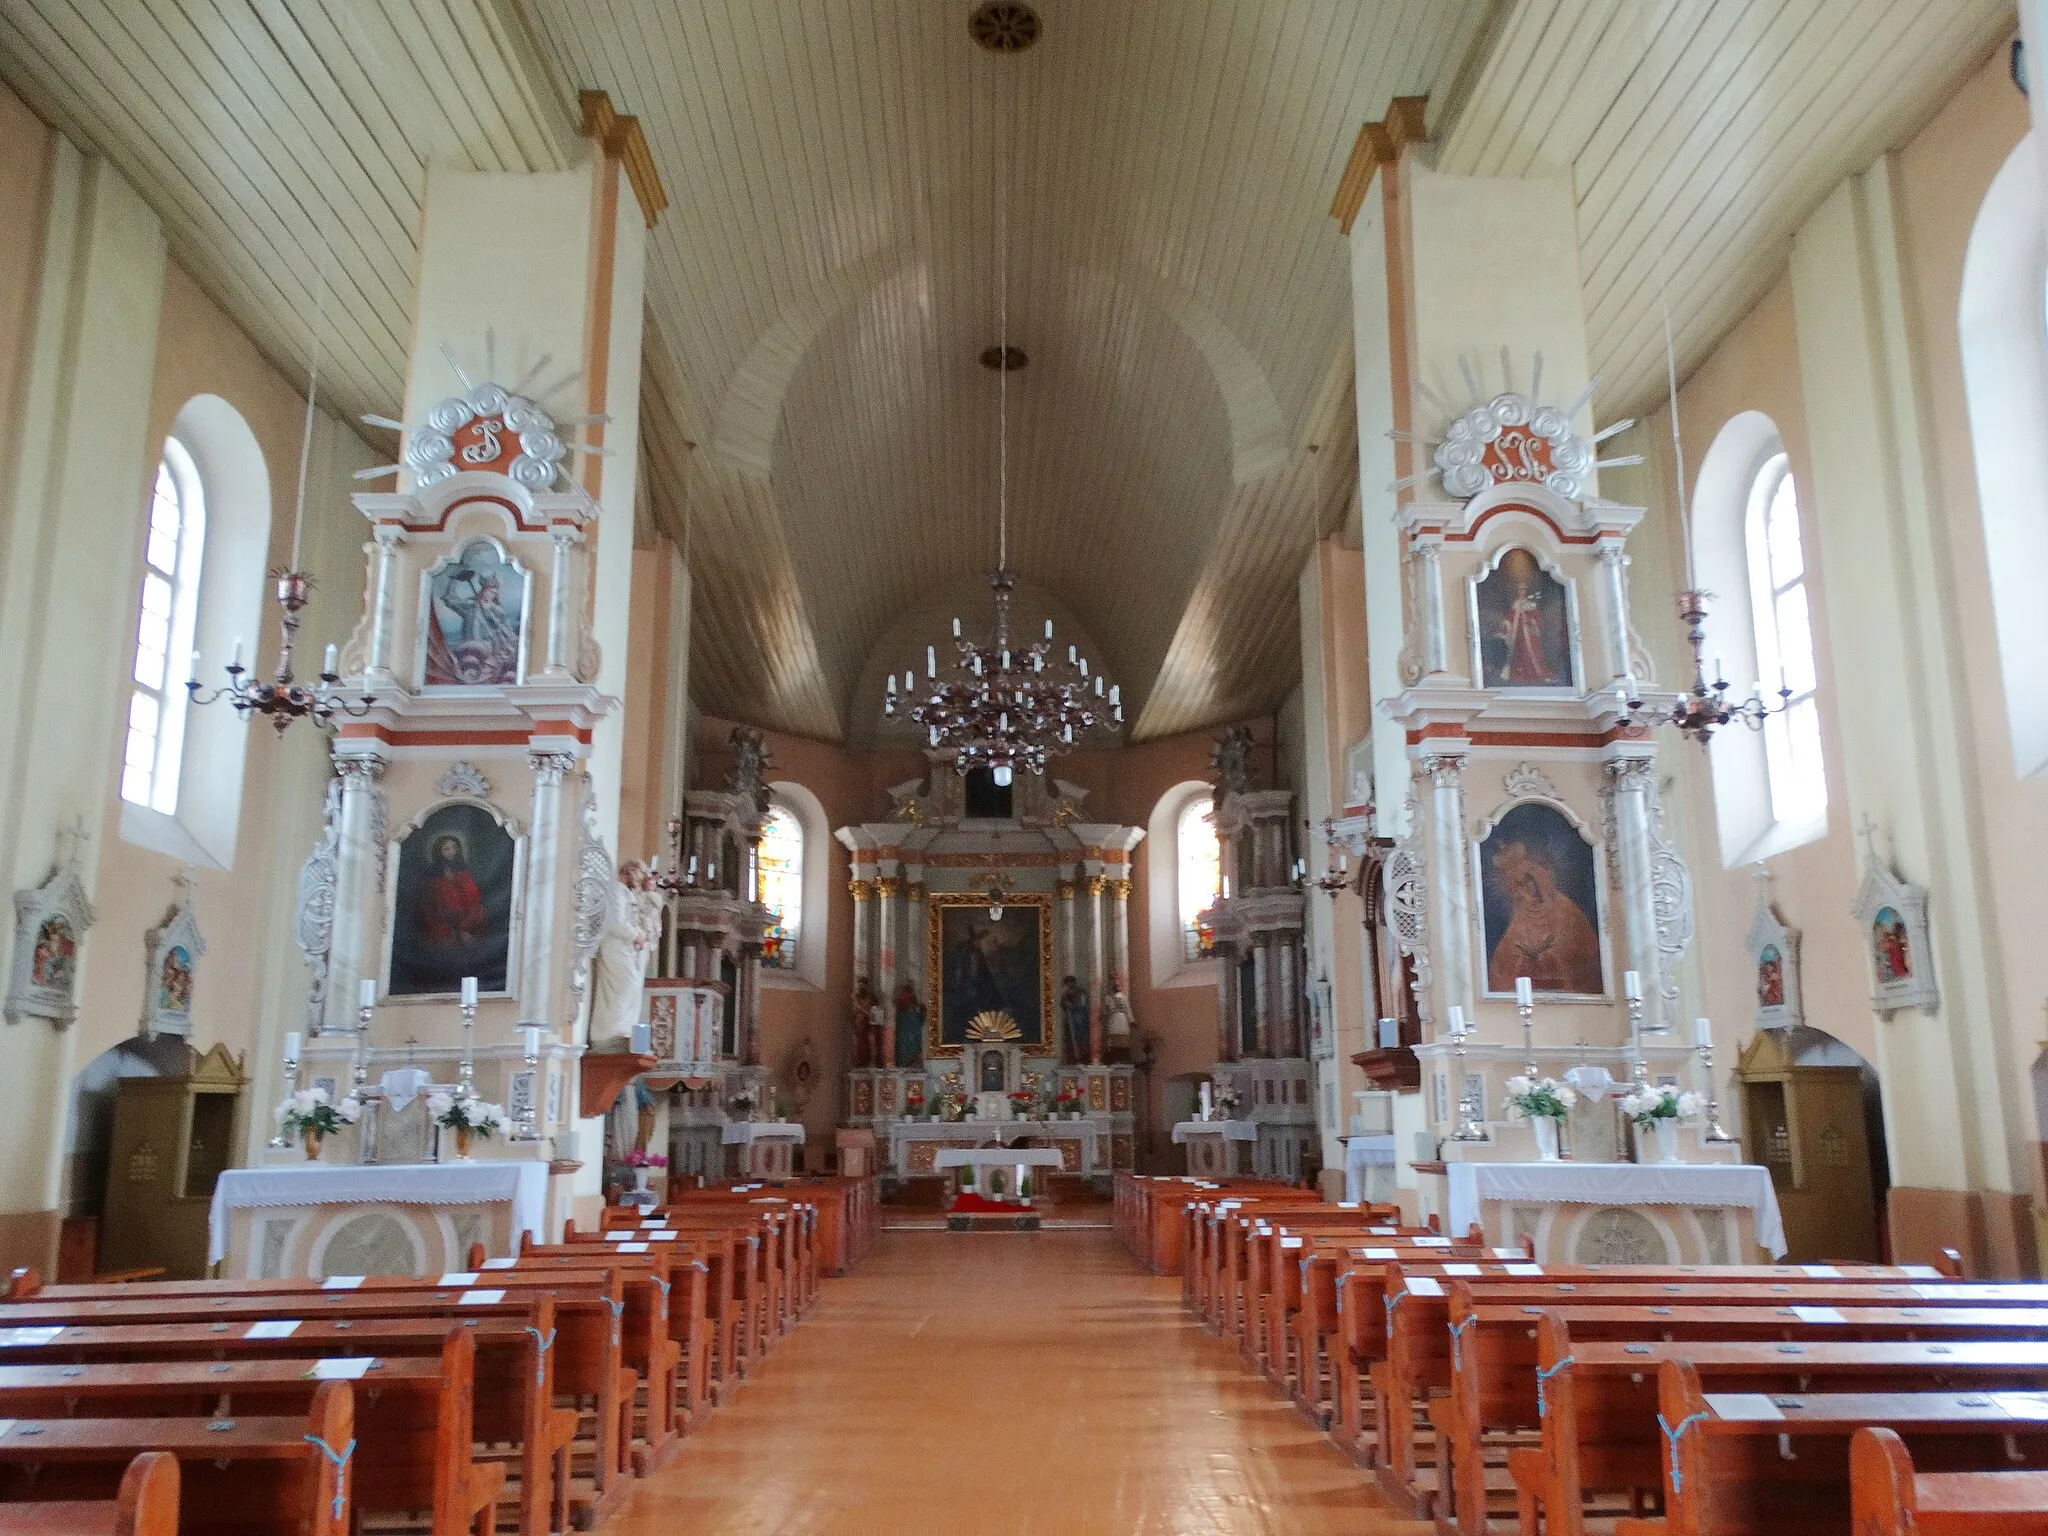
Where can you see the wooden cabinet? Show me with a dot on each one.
(173, 1136)
(1805, 1123)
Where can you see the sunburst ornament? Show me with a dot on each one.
(993, 1027)
(1512, 438)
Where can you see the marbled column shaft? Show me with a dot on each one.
(560, 590)
(1630, 778)
(349, 957)
(1452, 921)
(543, 847)
(1096, 968)
(377, 668)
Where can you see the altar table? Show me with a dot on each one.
(1362, 1155)
(983, 1158)
(1083, 1144)
(768, 1147)
(1211, 1146)
(1676, 1213)
(320, 1219)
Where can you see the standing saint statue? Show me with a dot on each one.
(1116, 1022)
(632, 928)
(1074, 1020)
(865, 1018)
(909, 1027)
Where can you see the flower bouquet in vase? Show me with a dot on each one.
(641, 1165)
(1227, 1102)
(467, 1118)
(1023, 1104)
(1070, 1100)
(312, 1117)
(1545, 1103)
(1657, 1109)
(743, 1104)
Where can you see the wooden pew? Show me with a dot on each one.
(513, 1375)
(1747, 1464)
(146, 1505)
(413, 1439)
(1598, 1408)
(1888, 1497)
(732, 1250)
(250, 1476)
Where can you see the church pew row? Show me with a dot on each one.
(1889, 1496)
(146, 1504)
(1461, 1350)
(259, 1475)
(1751, 1464)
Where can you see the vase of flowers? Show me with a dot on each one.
(1544, 1103)
(467, 1118)
(1023, 1104)
(1069, 1100)
(1657, 1109)
(742, 1105)
(312, 1117)
(1226, 1101)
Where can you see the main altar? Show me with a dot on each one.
(991, 956)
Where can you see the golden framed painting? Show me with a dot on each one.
(981, 965)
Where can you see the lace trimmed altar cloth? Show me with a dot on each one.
(1724, 1185)
(518, 1187)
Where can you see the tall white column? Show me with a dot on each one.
(543, 848)
(863, 919)
(1631, 782)
(378, 670)
(1096, 968)
(1120, 933)
(1614, 577)
(1452, 919)
(1429, 602)
(560, 589)
(885, 946)
(360, 855)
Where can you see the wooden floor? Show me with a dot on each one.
(1004, 1383)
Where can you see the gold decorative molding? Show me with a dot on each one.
(1377, 144)
(1120, 889)
(859, 890)
(619, 136)
(1067, 888)
(1095, 884)
(886, 887)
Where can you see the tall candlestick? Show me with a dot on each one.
(1525, 1005)
(469, 992)
(1469, 1128)
(1525, 992)
(465, 1073)
(1638, 1070)
(366, 995)
(526, 1129)
(1713, 1135)
(291, 1082)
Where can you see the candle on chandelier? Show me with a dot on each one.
(892, 685)
(931, 661)
(1525, 993)
(1072, 655)
(195, 664)
(235, 658)
(956, 629)
(469, 991)
(1048, 629)
(331, 662)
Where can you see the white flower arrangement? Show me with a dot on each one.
(1546, 1098)
(1659, 1101)
(472, 1115)
(742, 1104)
(1226, 1099)
(309, 1109)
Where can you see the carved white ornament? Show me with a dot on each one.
(1512, 439)
(1526, 779)
(595, 877)
(313, 928)
(465, 779)
(493, 415)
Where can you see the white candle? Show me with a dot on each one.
(291, 1045)
(469, 991)
(1525, 994)
(530, 1034)
(366, 993)
(235, 659)
(1631, 986)
(329, 666)
(1205, 1101)
(1702, 1032)
(1457, 1019)
(931, 661)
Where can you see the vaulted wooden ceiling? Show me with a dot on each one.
(816, 424)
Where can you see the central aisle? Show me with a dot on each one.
(1004, 1383)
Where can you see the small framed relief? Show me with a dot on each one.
(170, 957)
(1893, 919)
(1773, 962)
(49, 925)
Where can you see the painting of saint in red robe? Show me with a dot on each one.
(1540, 904)
(1890, 947)
(1522, 621)
(1770, 978)
(453, 914)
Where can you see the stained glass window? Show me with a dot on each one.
(782, 887)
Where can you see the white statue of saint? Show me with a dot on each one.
(632, 928)
(1116, 1020)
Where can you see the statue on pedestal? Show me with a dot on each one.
(1116, 1022)
(866, 1022)
(909, 1027)
(1073, 1021)
(632, 928)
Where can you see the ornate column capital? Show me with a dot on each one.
(360, 772)
(1120, 889)
(859, 890)
(1446, 769)
(1095, 884)
(1066, 889)
(548, 766)
(388, 536)
(886, 887)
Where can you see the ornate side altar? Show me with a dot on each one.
(991, 952)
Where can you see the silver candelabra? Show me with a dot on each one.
(1639, 1070)
(291, 1085)
(1714, 1135)
(465, 1074)
(527, 1128)
(1469, 1128)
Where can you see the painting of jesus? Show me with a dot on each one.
(989, 965)
(453, 913)
(1539, 903)
(1521, 625)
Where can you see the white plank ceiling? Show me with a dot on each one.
(816, 426)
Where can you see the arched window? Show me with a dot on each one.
(1201, 870)
(1784, 642)
(153, 756)
(782, 887)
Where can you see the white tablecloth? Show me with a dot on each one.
(1747, 1184)
(1360, 1154)
(746, 1132)
(521, 1182)
(996, 1157)
(1229, 1130)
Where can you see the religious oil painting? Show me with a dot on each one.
(174, 981)
(1770, 978)
(452, 913)
(476, 607)
(1522, 625)
(55, 961)
(1891, 947)
(1539, 896)
(988, 964)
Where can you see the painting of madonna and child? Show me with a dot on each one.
(452, 916)
(1521, 621)
(1540, 905)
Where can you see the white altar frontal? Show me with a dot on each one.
(1620, 1213)
(313, 1220)
(1016, 1164)
(1081, 1146)
(763, 1149)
